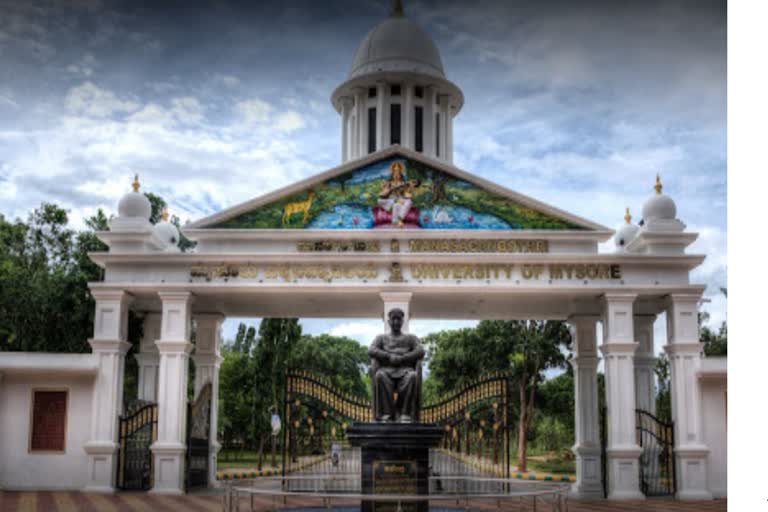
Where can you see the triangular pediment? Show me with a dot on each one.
(396, 189)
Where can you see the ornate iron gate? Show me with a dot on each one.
(475, 423)
(657, 461)
(198, 438)
(137, 432)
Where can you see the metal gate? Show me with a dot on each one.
(657, 461)
(198, 438)
(137, 432)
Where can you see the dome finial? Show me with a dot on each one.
(135, 183)
(657, 186)
(397, 9)
(627, 216)
(164, 215)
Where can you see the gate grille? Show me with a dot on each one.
(657, 461)
(138, 431)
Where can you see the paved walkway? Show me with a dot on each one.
(142, 502)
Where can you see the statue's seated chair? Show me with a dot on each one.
(374, 369)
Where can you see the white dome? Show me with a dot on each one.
(659, 206)
(625, 234)
(397, 44)
(134, 204)
(168, 233)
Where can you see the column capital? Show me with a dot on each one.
(619, 348)
(100, 294)
(171, 347)
(396, 296)
(619, 297)
(176, 296)
(684, 348)
(683, 298)
(109, 346)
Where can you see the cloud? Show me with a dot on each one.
(90, 100)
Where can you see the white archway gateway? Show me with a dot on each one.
(396, 225)
(485, 266)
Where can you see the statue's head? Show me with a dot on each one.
(396, 318)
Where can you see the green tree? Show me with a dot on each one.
(525, 349)
(663, 395)
(342, 360)
(715, 342)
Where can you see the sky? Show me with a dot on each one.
(576, 104)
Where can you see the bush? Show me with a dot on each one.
(552, 434)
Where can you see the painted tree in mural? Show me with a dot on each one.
(524, 349)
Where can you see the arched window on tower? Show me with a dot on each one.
(372, 129)
(394, 123)
(418, 129)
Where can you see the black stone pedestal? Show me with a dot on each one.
(395, 460)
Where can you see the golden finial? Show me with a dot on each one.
(657, 186)
(627, 216)
(397, 8)
(135, 183)
(164, 215)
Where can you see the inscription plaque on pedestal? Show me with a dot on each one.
(395, 477)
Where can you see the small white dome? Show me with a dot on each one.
(659, 206)
(134, 204)
(626, 233)
(397, 44)
(167, 232)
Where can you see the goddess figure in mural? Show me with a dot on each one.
(396, 195)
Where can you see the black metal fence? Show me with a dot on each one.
(137, 432)
(657, 461)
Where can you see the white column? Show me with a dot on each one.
(618, 351)
(382, 92)
(429, 121)
(400, 300)
(174, 346)
(444, 113)
(409, 131)
(361, 126)
(449, 134)
(684, 350)
(109, 345)
(148, 358)
(207, 361)
(645, 361)
(587, 447)
(346, 109)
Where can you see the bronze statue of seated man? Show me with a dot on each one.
(395, 364)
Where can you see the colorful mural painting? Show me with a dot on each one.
(395, 193)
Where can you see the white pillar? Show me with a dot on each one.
(361, 124)
(148, 358)
(207, 361)
(587, 447)
(618, 351)
(382, 92)
(645, 361)
(444, 113)
(429, 121)
(684, 350)
(346, 108)
(109, 345)
(409, 115)
(400, 300)
(174, 346)
(449, 134)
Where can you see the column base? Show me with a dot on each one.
(169, 459)
(692, 473)
(624, 473)
(212, 457)
(589, 483)
(101, 466)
